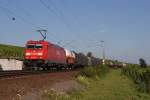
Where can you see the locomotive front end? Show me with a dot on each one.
(34, 51)
(35, 54)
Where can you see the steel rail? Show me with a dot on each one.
(18, 73)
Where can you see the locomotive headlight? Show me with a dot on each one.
(28, 54)
(40, 54)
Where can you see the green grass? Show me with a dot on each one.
(113, 86)
(9, 51)
(140, 76)
(94, 72)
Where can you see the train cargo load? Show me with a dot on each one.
(70, 57)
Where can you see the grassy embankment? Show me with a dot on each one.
(139, 75)
(101, 84)
(9, 51)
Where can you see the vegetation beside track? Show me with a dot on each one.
(140, 76)
(102, 84)
(9, 51)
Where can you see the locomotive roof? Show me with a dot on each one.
(42, 42)
(32, 41)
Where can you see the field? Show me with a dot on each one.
(9, 51)
(113, 86)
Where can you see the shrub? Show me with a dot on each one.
(83, 80)
(142, 63)
(88, 72)
(93, 72)
(140, 76)
(55, 95)
(102, 70)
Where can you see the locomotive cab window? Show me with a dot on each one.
(38, 46)
(34, 46)
(30, 46)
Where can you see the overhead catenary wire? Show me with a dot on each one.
(28, 14)
(8, 15)
(11, 13)
(56, 8)
(57, 13)
(52, 9)
(48, 7)
(61, 16)
(24, 11)
(14, 15)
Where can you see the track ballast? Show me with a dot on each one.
(19, 73)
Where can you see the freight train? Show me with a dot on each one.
(46, 56)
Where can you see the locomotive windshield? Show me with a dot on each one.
(34, 46)
(38, 46)
(30, 46)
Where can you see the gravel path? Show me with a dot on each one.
(30, 87)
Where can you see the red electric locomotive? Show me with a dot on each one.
(42, 54)
(45, 55)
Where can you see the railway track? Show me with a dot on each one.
(5, 74)
(18, 73)
(13, 85)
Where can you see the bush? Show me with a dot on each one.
(142, 63)
(102, 70)
(55, 95)
(83, 80)
(93, 72)
(140, 76)
(88, 72)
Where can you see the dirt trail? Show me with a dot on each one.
(10, 88)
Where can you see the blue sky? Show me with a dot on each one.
(80, 25)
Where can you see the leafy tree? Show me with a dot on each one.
(89, 54)
(142, 63)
